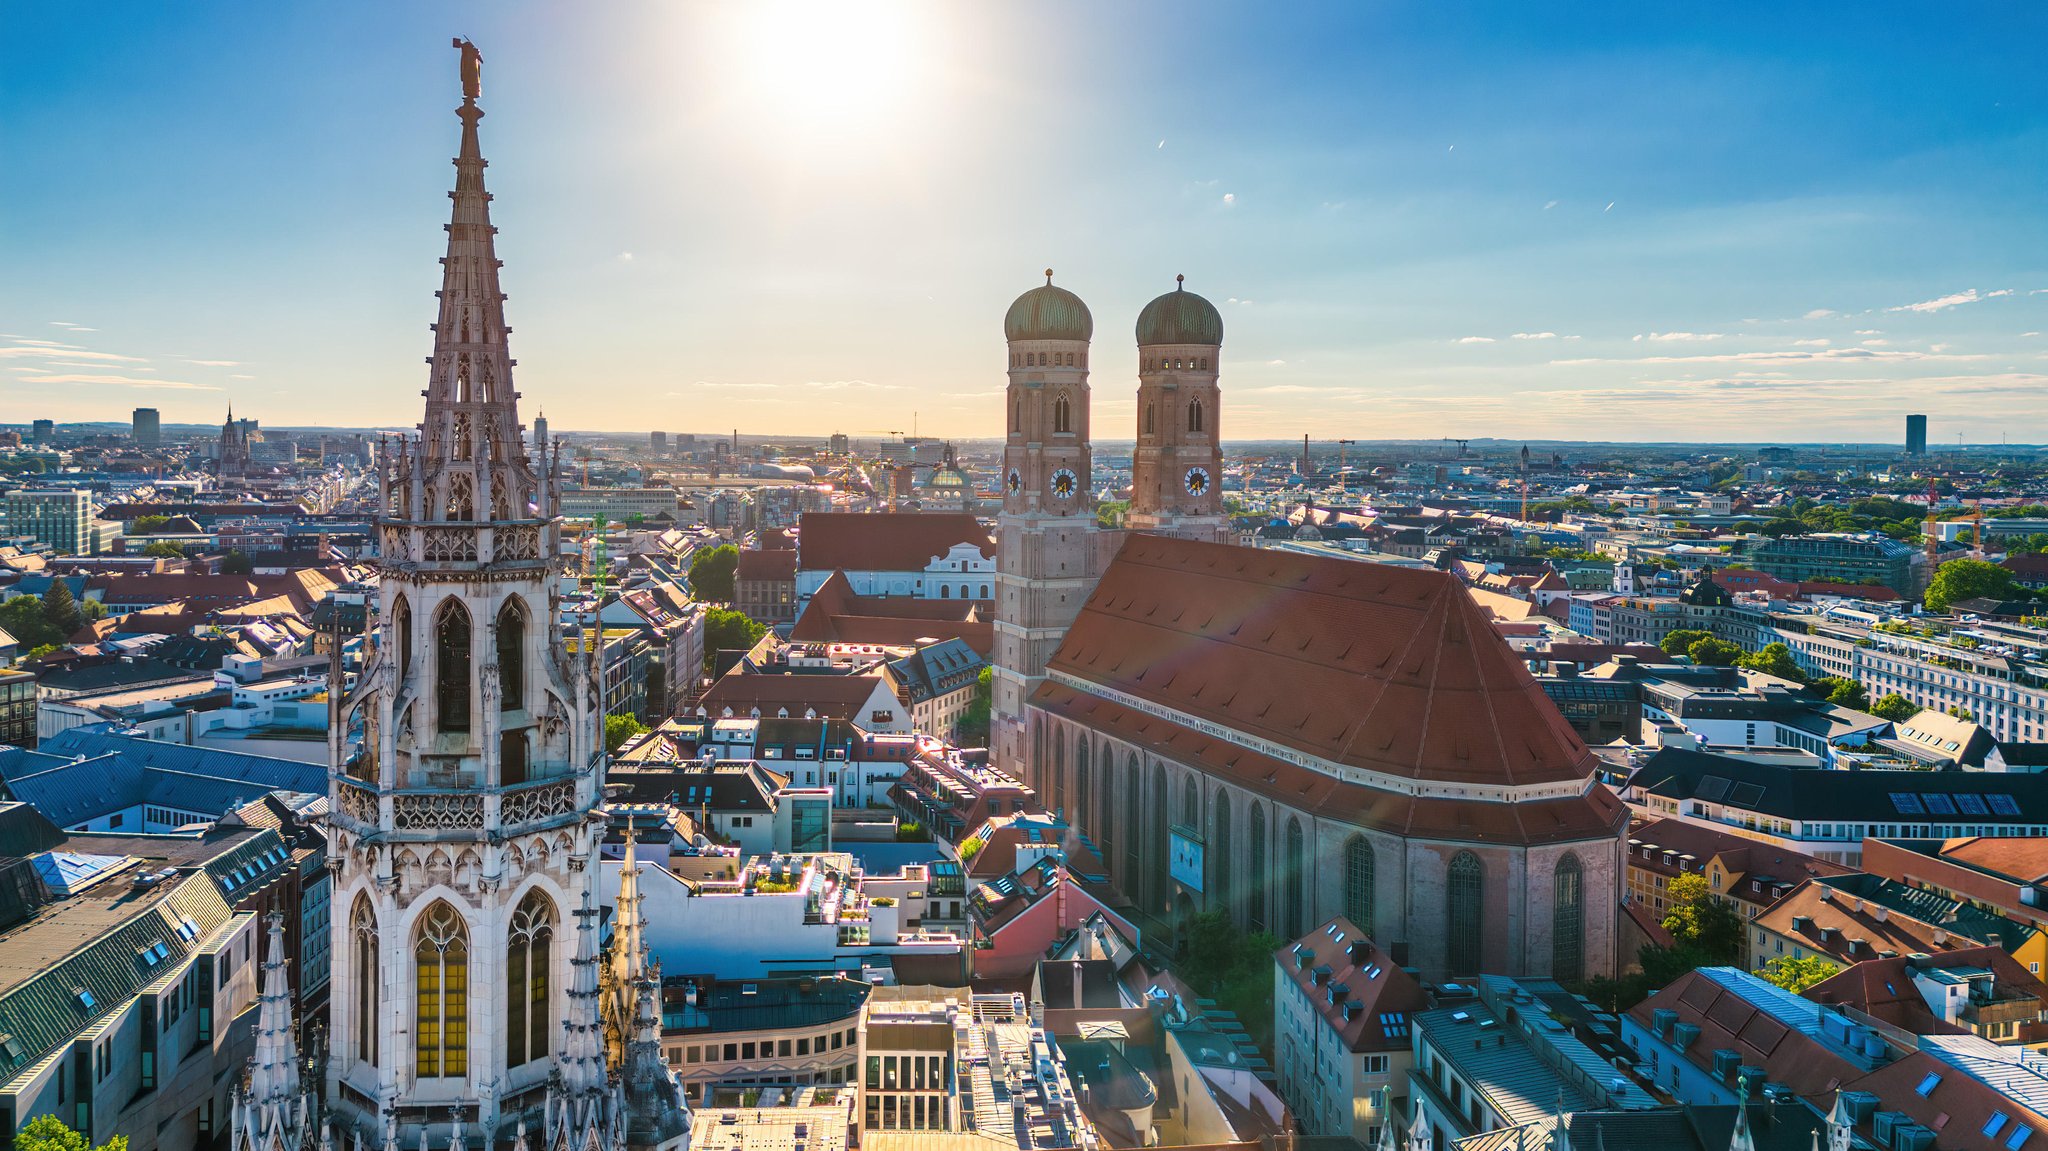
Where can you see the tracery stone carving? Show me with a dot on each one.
(437, 812)
(531, 803)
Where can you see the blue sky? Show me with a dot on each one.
(1651, 221)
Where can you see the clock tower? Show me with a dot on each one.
(1048, 550)
(1177, 468)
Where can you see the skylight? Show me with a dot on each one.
(1927, 1085)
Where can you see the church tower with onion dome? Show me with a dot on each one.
(1177, 467)
(1048, 552)
(468, 770)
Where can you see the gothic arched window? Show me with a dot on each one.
(1297, 878)
(1083, 817)
(1191, 805)
(1134, 824)
(1157, 871)
(1150, 411)
(1194, 415)
(1358, 877)
(1219, 854)
(369, 973)
(451, 666)
(526, 979)
(401, 620)
(1255, 903)
(440, 960)
(1057, 783)
(1567, 921)
(1463, 906)
(1062, 415)
(512, 655)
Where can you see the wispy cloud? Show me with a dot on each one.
(1817, 343)
(119, 381)
(1681, 337)
(1952, 300)
(1790, 356)
(1475, 339)
(1535, 335)
(216, 363)
(63, 351)
(1820, 313)
(71, 327)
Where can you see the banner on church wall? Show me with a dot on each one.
(1184, 861)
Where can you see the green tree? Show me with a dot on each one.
(712, 573)
(1110, 513)
(148, 525)
(164, 549)
(1699, 918)
(1842, 692)
(1967, 579)
(48, 1133)
(61, 609)
(1679, 642)
(1234, 967)
(23, 618)
(1775, 659)
(1796, 974)
(620, 728)
(729, 630)
(1713, 652)
(237, 563)
(1894, 707)
(43, 651)
(974, 722)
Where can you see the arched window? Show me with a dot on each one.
(1134, 836)
(1083, 818)
(1220, 862)
(984, 591)
(1194, 415)
(1156, 872)
(1105, 831)
(1191, 805)
(1358, 876)
(451, 666)
(1150, 410)
(1255, 870)
(513, 758)
(1062, 415)
(440, 961)
(401, 619)
(945, 591)
(369, 973)
(1567, 920)
(1464, 904)
(1204, 364)
(512, 655)
(1297, 878)
(526, 979)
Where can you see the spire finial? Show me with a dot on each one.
(1048, 277)
(1180, 283)
(472, 69)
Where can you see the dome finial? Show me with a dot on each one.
(1179, 283)
(1048, 276)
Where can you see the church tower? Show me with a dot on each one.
(465, 820)
(1047, 548)
(1177, 469)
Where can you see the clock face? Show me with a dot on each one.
(1196, 481)
(1016, 480)
(1064, 484)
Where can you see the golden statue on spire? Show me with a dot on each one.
(472, 69)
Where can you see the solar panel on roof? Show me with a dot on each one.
(1906, 803)
(1972, 804)
(2003, 804)
(1938, 804)
(1711, 788)
(1747, 794)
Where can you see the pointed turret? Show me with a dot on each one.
(274, 1069)
(1742, 1140)
(656, 1116)
(582, 1061)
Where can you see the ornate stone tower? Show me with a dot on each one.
(1047, 548)
(1177, 469)
(464, 827)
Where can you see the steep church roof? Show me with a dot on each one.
(1390, 670)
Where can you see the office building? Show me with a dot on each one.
(145, 428)
(61, 518)
(1916, 435)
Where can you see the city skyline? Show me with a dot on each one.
(1415, 224)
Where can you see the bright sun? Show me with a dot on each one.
(836, 68)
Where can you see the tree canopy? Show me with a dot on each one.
(1894, 707)
(1680, 640)
(1796, 974)
(712, 573)
(1775, 659)
(1714, 652)
(974, 721)
(48, 1133)
(24, 619)
(1967, 579)
(729, 630)
(620, 728)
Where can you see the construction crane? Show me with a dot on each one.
(1340, 452)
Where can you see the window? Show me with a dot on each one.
(1463, 908)
(401, 617)
(1567, 920)
(1194, 415)
(1256, 896)
(1297, 877)
(512, 655)
(527, 969)
(441, 993)
(1156, 874)
(369, 972)
(1062, 414)
(1358, 879)
(1220, 863)
(451, 667)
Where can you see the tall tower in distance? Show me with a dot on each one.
(146, 428)
(465, 822)
(1177, 468)
(1048, 553)
(1916, 435)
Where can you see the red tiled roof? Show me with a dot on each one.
(1385, 669)
(830, 696)
(835, 614)
(1390, 991)
(885, 541)
(1729, 1022)
(767, 565)
(1884, 988)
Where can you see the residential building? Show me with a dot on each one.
(18, 707)
(938, 683)
(1975, 990)
(1342, 1040)
(110, 780)
(764, 585)
(1848, 919)
(2007, 876)
(791, 1032)
(1748, 873)
(1867, 558)
(919, 555)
